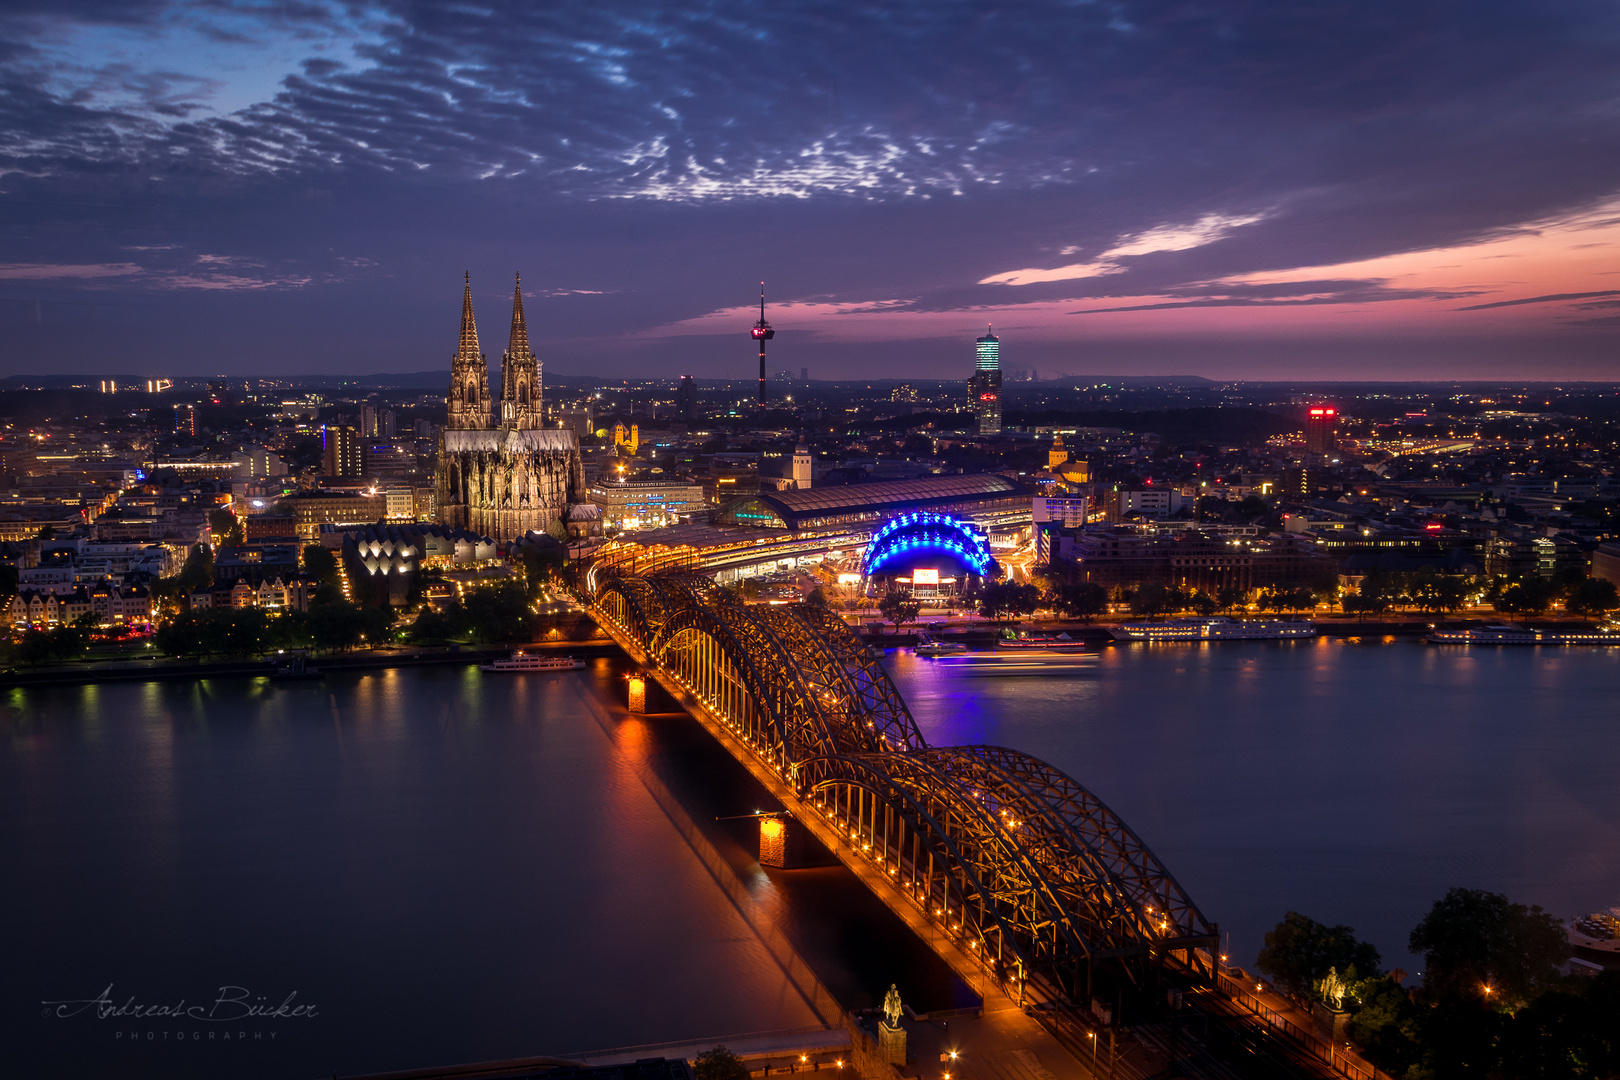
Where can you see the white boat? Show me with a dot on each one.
(1598, 933)
(927, 646)
(1040, 642)
(522, 661)
(1513, 634)
(1215, 628)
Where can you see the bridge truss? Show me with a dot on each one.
(1023, 867)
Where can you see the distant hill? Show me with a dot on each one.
(1213, 424)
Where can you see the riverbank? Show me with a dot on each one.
(78, 674)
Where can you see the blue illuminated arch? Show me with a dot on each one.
(910, 532)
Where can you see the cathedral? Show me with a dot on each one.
(503, 475)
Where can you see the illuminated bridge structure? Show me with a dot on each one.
(1013, 871)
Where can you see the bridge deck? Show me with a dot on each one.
(1004, 1027)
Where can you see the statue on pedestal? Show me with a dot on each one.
(891, 1036)
(891, 1006)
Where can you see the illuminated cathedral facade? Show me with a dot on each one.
(501, 473)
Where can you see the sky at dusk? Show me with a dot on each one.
(1313, 190)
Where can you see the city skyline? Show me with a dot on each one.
(1382, 192)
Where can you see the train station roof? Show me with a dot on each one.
(805, 509)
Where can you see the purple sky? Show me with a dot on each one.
(1244, 189)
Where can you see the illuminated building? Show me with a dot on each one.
(984, 388)
(981, 496)
(647, 504)
(185, 419)
(1057, 455)
(340, 451)
(686, 400)
(927, 553)
(1320, 422)
(516, 477)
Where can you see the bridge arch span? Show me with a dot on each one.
(1014, 859)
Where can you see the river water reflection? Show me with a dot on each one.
(450, 867)
(1354, 781)
(456, 867)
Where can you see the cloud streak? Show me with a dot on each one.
(1170, 168)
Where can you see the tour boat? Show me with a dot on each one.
(521, 661)
(1597, 935)
(1513, 634)
(1217, 628)
(1045, 642)
(927, 646)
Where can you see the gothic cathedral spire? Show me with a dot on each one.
(469, 374)
(520, 373)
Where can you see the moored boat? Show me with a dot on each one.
(1514, 634)
(1041, 642)
(1597, 936)
(521, 661)
(1215, 628)
(927, 646)
(296, 669)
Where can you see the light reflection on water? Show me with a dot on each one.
(455, 867)
(1354, 781)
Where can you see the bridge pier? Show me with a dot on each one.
(637, 696)
(774, 841)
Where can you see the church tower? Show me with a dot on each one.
(469, 375)
(520, 374)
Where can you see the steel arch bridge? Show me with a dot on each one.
(1022, 867)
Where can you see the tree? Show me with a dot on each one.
(1080, 600)
(1386, 1027)
(1564, 1034)
(58, 643)
(499, 612)
(1155, 599)
(338, 625)
(433, 628)
(232, 632)
(1593, 596)
(1529, 597)
(817, 597)
(1008, 600)
(1481, 943)
(1203, 603)
(899, 607)
(1228, 597)
(226, 528)
(719, 1064)
(198, 570)
(1299, 951)
(322, 565)
(540, 561)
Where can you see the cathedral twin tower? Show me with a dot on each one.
(506, 476)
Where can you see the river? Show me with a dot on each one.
(450, 866)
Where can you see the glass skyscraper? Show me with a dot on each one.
(984, 389)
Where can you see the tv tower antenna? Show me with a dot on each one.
(762, 333)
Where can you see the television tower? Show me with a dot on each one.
(762, 333)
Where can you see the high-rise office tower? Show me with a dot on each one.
(1320, 435)
(686, 399)
(185, 419)
(985, 387)
(341, 454)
